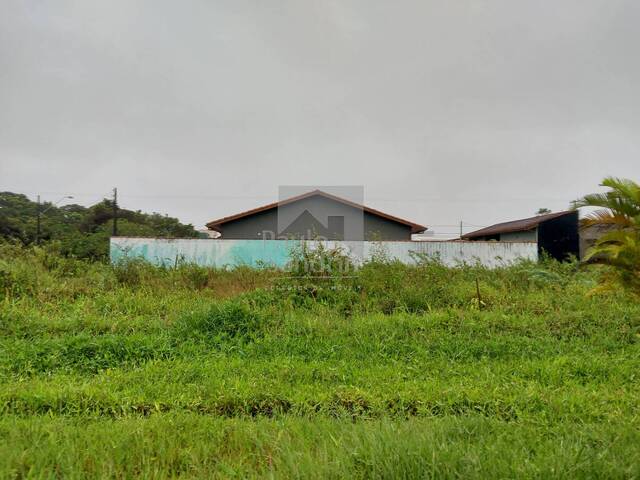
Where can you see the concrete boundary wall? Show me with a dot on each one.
(230, 253)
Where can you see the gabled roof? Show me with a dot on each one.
(524, 224)
(217, 224)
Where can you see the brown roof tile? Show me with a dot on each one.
(515, 225)
(216, 224)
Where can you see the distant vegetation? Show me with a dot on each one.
(80, 231)
(385, 371)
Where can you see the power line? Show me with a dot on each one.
(455, 225)
(381, 199)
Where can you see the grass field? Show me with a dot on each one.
(394, 372)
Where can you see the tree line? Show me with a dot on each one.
(77, 230)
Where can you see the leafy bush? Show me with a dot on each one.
(130, 272)
(319, 275)
(195, 276)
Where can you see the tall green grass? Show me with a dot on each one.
(388, 371)
(190, 446)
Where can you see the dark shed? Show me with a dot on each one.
(555, 233)
(312, 215)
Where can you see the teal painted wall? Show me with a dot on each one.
(230, 253)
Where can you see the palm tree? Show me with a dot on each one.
(620, 214)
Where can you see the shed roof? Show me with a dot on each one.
(521, 225)
(217, 224)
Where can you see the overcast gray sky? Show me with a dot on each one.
(444, 111)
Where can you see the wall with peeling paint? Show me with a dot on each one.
(229, 253)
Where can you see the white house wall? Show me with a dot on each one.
(526, 236)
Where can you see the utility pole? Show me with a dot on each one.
(40, 211)
(38, 222)
(115, 212)
(460, 228)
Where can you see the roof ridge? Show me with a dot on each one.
(528, 223)
(415, 228)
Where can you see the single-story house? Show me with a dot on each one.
(555, 233)
(315, 215)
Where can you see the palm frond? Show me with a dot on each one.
(605, 218)
(592, 200)
(619, 248)
(624, 187)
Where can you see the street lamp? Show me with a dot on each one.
(39, 213)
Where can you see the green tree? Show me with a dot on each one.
(619, 211)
